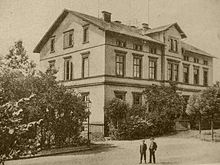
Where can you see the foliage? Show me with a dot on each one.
(36, 111)
(157, 117)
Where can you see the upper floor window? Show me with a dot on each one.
(186, 58)
(121, 43)
(68, 69)
(173, 45)
(153, 68)
(173, 71)
(137, 98)
(186, 74)
(120, 65)
(85, 66)
(120, 95)
(68, 39)
(196, 60)
(205, 77)
(196, 75)
(137, 66)
(138, 47)
(85, 34)
(153, 50)
(205, 62)
(52, 44)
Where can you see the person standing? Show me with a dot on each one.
(152, 149)
(143, 149)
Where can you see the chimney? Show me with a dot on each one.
(145, 26)
(106, 16)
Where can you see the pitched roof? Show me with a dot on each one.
(165, 27)
(193, 49)
(111, 26)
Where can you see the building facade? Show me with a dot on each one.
(103, 59)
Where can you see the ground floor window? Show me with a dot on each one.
(137, 98)
(120, 94)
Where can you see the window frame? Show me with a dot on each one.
(186, 74)
(120, 63)
(174, 73)
(68, 69)
(196, 79)
(154, 68)
(84, 57)
(205, 81)
(135, 94)
(121, 43)
(137, 66)
(85, 34)
(67, 34)
(120, 93)
(52, 44)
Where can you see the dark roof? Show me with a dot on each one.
(112, 26)
(165, 27)
(193, 49)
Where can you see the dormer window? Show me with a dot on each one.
(173, 45)
(52, 44)
(121, 43)
(68, 39)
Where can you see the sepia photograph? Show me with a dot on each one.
(109, 82)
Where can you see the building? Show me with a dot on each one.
(103, 59)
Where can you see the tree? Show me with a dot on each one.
(165, 106)
(17, 58)
(210, 104)
(194, 107)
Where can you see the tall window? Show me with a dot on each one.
(85, 66)
(186, 74)
(85, 34)
(68, 69)
(173, 71)
(68, 39)
(137, 98)
(196, 75)
(152, 68)
(120, 94)
(120, 65)
(137, 66)
(205, 77)
(52, 44)
(173, 45)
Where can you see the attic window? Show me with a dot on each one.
(68, 39)
(138, 47)
(173, 45)
(52, 44)
(85, 34)
(121, 43)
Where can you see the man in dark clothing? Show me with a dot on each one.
(143, 149)
(152, 149)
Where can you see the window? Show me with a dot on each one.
(138, 47)
(85, 96)
(85, 34)
(137, 66)
(85, 66)
(173, 45)
(186, 58)
(173, 71)
(68, 69)
(52, 64)
(196, 60)
(196, 75)
(137, 98)
(120, 94)
(186, 74)
(205, 77)
(52, 44)
(153, 50)
(152, 68)
(121, 43)
(120, 65)
(205, 62)
(68, 39)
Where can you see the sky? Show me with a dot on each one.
(28, 20)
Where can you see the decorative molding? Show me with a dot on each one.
(120, 51)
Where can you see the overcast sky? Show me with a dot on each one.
(28, 20)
